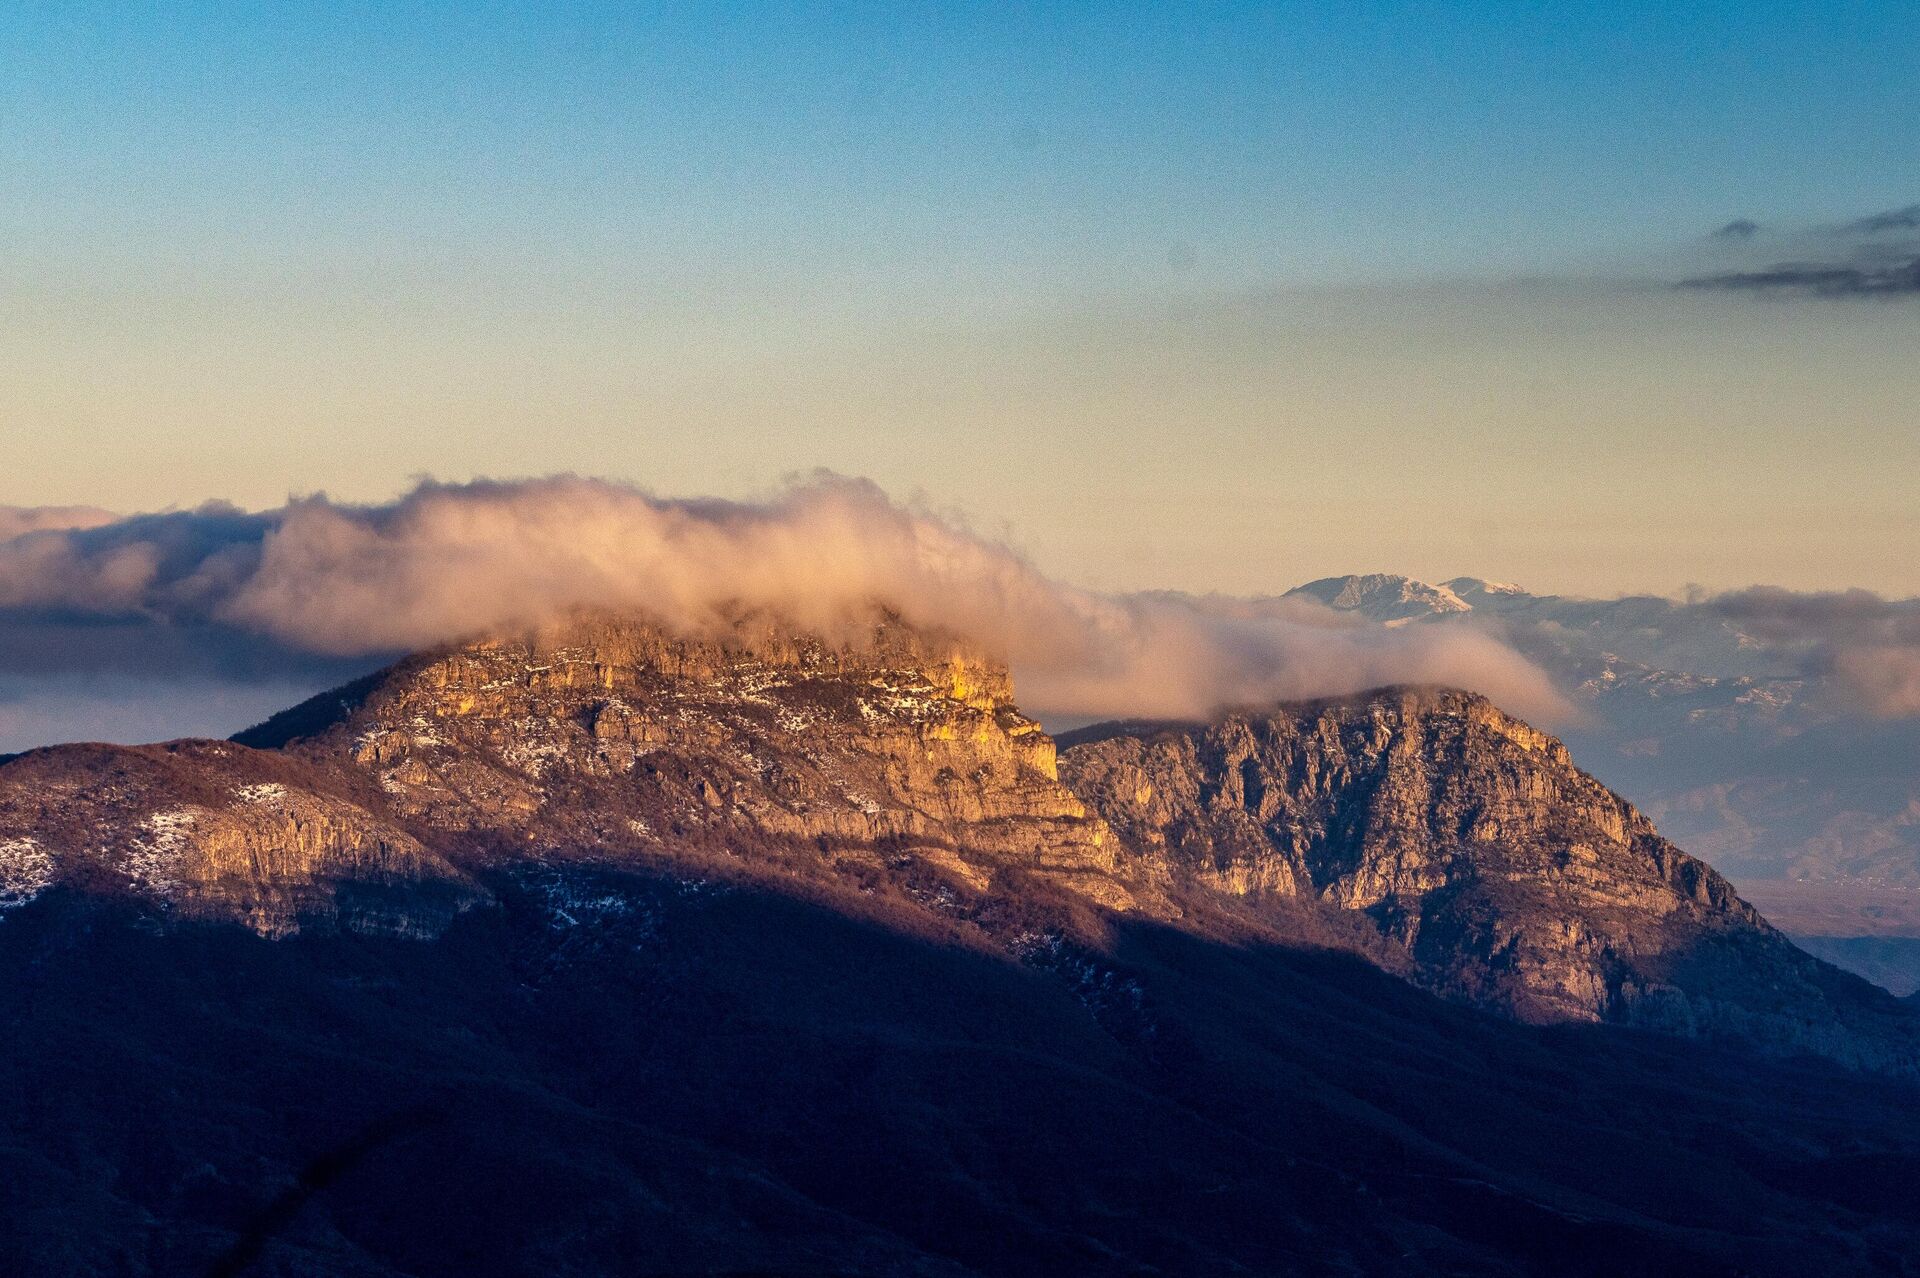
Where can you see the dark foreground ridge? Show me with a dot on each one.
(600, 951)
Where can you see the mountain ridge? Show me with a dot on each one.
(1514, 880)
(1746, 746)
(899, 758)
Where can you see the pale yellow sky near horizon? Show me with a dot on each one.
(1578, 439)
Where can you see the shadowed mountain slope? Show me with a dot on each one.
(606, 1072)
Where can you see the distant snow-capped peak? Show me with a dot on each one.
(1385, 597)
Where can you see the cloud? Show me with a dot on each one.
(319, 579)
(178, 565)
(1897, 279)
(18, 521)
(1164, 655)
(1870, 644)
(1876, 256)
(1885, 677)
(1906, 219)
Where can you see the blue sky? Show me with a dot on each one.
(1323, 141)
(1168, 259)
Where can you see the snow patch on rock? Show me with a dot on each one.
(153, 860)
(26, 870)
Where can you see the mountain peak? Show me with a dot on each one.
(1384, 596)
(1513, 879)
(577, 660)
(884, 731)
(1468, 588)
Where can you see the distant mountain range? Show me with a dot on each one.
(603, 949)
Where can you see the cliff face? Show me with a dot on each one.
(209, 830)
(602, 737)
(1513, 879)
(608, 734)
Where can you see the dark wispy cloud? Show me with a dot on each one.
(1816, 279)
(1870, 257)
(1906, 219)
(1870, 643)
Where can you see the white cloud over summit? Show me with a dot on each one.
(447, 561)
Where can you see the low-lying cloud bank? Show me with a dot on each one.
(1871, 644)
(318, 581)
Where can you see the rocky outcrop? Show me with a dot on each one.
(609, 733)
(602, 737)
(1514, 880)
(208, 830)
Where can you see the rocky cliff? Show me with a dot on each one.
(600, 737)
(213, 831)
(1512, 878)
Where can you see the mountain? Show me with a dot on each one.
(600, 949)
(1638, 629)
(1742, 750)
(1384, 597)
(1468, 840)
(603, 738)
(1515, 881)
(1475, 592)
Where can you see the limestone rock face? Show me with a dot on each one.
(1515, 880)
(611, 733)
(208, 830)
(601, 737)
